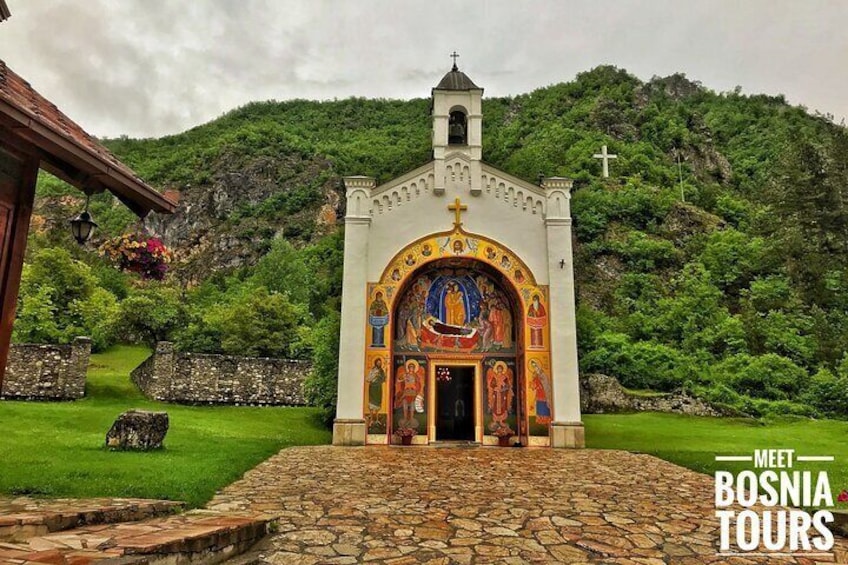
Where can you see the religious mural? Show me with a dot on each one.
(499, 398)
(376, 380)
(540, 398)
(454, 309)
(410, 393)
(378, 318)
(446, 294)
(537, 321)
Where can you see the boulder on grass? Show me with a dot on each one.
(138, 429)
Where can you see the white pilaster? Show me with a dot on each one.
(349, 427)
(567, 429)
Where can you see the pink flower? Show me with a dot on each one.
(843, 496)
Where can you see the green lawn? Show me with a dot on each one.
(694, 442)
(56, 448)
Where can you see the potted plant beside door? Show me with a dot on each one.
(504, 436)
(405, 434)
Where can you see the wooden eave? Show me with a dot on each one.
(80, 166)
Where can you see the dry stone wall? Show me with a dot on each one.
(197, 378)
(46, 372)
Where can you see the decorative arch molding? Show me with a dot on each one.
(456, 250)
(460, 244)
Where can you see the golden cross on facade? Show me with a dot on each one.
(457, 208)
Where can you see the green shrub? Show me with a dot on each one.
(641, 364)
(768, 376)
(644, 253)
(828, 393)
(321, 386)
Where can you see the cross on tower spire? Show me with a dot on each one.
(457, 208)
(454, 55)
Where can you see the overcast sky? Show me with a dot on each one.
(154, 67)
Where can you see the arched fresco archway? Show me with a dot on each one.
(456, 303)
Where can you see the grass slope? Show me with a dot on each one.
(694, 442)
(56, 449)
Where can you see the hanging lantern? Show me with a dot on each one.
(83, 225)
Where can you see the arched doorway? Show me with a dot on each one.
(458, 337)
(456, 353)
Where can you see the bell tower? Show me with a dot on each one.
(457, 128)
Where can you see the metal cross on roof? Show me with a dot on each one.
(454, 55)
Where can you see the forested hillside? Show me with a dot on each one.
(732, 283)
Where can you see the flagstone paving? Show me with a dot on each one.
(486, 505)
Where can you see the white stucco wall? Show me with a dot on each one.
(507, 210)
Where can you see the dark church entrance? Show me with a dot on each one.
(455, 403)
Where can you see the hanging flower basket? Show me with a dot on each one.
(139, 253)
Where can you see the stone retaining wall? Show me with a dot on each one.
(600, 394)
(46, 372)
(197, 378)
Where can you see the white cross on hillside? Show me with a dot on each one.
(606, 157)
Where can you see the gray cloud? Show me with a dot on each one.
(149, 68)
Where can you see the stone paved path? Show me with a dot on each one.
(484, 505)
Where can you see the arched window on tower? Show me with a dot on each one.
(457, 128)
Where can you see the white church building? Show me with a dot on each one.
(458, 315)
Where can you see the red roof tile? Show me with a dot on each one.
(18, 93)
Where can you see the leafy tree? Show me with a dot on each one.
(60, 299)
(254, 322)
(150, 314)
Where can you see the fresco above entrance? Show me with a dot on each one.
(455, 309)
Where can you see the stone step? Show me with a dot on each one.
(22, 518)
(198, 536)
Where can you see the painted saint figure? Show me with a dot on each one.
(454, 306)
(537, 317)
(379, 319)
(499, 381)
(507, 323)
(485, 327)
(409, 385)
(375, 379)
(496, 318)
(541, 384)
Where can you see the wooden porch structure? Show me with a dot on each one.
(35, 134)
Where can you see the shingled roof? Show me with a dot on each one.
(67, 151)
